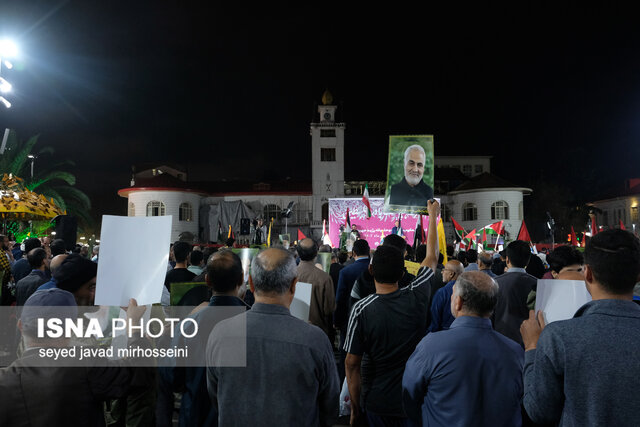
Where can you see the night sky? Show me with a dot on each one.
(229, 91)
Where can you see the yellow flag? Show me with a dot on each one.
(442, 241)
(269, 235)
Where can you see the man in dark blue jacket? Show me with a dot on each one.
(346, 279)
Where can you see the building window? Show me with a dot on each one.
(132, 209)
(479, 169)
(520, 211)
(446, 213)
(500, 210)
(469, 212)
(605, 218)
(271, 211)
(155, 208)
(634, 214)
(185, 213)
(327, 133)
(328, 154)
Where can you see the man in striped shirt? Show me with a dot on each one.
(384, 329)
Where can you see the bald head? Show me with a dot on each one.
(478, 293)
(56, 261)
(307, 249)
(456, 266)
(273, 271)
(452, 270)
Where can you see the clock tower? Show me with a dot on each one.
(327, 159)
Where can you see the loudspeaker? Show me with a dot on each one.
(67, 230)
(245, 226)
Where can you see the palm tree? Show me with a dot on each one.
(52, 180)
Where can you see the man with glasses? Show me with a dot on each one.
(441, 317)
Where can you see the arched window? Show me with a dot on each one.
(132, 209)
(469, 212)
(520, 211)
(185, 213)
(271, 211)
(155, 208)
(446, 213)
(500, 210)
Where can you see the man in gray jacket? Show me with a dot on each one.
(584, 371)
(290, 376)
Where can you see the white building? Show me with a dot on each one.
(483, 200)
(619, 206)
(200, 211)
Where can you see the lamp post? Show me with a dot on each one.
(33, 157)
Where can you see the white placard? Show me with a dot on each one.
(301, 301)
(134, 253)
(560, 299)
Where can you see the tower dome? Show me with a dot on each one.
(327, 98)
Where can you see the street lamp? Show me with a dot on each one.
(33, 157)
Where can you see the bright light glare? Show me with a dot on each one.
(7, 64)
(5, 86)
(8, 49)
(5, 102)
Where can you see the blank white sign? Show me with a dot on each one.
(560, 299)
(134, 254)
(301, 301)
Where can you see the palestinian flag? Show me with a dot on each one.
(574, 239)
(365, 200)
(622, 227)
(460, 232)
(523, 234)
(594, 226)
(497, 228)
(418, 235)
(473, 239)
(325, 236)
(301, 235)
(493, 229)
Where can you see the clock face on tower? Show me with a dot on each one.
(327, 115)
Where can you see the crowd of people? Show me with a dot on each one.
(448, 344)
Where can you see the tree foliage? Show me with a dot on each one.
(50, 177)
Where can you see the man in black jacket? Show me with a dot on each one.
(515, 286)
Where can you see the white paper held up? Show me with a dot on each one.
(301, 301)
(134, 252)
(560, 299)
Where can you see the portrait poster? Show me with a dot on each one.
(246, 257)
(409, 174)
